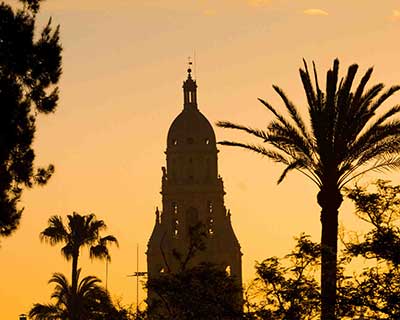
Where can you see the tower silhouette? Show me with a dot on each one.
(192, 194)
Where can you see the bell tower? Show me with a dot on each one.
(192, 193)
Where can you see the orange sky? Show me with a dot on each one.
(124, 63)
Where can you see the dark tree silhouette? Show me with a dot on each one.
(196, 243)
(80, 231)
(89, 302)
(30, 67)
(286, 288)
(202, 292)
(347, 137)
(376, 290)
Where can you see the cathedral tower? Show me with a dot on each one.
(192, 194)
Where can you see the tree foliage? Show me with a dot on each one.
(287, 288)
(375, 291)
(30, 68)
(202, 292)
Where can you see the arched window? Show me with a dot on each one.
(175, 220)
(174, 208)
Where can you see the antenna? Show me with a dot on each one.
(195, 65)
(137, 274)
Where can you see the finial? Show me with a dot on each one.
(189, 70)
(157, 215)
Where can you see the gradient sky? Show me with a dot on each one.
(124, 63)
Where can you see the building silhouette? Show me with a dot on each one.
(192, 195)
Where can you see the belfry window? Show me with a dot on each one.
(175, 220)
(175, 227)
(174, 208)
(210, 226)
(210, 219)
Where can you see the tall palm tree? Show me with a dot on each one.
(93, 301)
(347, 137)
(80, 231)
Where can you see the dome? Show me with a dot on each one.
(191, 129)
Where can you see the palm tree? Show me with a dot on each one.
(80, 231)
(93, 301)
(346, 138)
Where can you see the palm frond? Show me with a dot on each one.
(60, 279)
(363, 110)
(308, 87)
(68, 250)
(55, 232)
(94, 228)
(360, 90)
(293, 113)
(354, 124)
(45, 312)
(320, 95)
(275, 156)
(279, 117)
(290, 137)
(292, 166)
(342, 113)
(100, 250)
(377, 134)
(87, 284)
(387, 94)
(297, 134)
(109, 240)
(381, 165)
(331, 85)
(389, 146)
(344, 94)
(255, 132)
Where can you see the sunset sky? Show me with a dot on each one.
(124, 62)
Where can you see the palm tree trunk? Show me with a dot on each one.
(330, 201)
(74, 285)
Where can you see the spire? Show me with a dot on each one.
(189, 89)
(157, 216)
